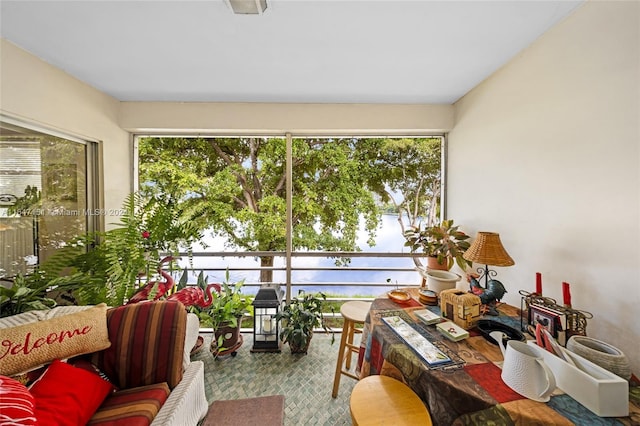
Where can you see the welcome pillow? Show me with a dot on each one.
(29, 346)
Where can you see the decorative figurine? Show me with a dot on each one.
(488, 296)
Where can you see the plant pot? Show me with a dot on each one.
(230, 336)
(297, 349)
(432, 263)
(438, 280)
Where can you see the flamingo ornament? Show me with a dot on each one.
(194, 296)
(142, 295)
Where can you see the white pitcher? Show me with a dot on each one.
(524, 370)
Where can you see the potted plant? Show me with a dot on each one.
(224, 315)
(21, 297)
(298, 319)
(442, 244)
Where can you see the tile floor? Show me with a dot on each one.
(305, 380)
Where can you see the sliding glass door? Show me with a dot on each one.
(46, 194)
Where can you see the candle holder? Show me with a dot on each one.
(266, 306)
(567, 321)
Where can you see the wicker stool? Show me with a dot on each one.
(353, 313)
(382, 400)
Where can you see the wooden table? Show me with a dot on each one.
(471, 391)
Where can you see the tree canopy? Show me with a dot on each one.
(236, 186)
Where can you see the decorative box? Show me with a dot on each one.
(451, 331)
(460, 307)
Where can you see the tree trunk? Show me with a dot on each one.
(266, 276)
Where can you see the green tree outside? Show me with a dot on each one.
(236, 187)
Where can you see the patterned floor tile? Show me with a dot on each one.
(306, 381)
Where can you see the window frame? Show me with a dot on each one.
(92, 162)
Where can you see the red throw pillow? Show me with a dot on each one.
(68, 396)
(16, 403)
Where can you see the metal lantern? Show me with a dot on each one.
(265, 327)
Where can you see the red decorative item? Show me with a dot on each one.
(143, 294)
(190, 296)
(66, 395)
(566, 294)
(538, 283)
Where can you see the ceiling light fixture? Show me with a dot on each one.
(247, 7)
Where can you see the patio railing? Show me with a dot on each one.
(358, 279)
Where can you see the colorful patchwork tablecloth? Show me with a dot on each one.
(469, 390)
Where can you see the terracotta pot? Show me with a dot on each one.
(432, 263)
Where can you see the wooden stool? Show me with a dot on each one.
(354, 312)
(382, 400)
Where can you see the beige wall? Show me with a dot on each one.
(38, 93)
(546, 152)
(258, 118)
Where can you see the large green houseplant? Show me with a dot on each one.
(444, 242)
(299, 317)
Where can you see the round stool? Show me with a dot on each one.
(382, 400)
(354, 312)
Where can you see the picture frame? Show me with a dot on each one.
(550, 320)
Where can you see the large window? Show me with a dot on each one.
(313, 194)
(46, 194)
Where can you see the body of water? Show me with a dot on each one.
(388, 239)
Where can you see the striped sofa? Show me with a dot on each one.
(148, 363)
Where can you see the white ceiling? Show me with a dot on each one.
(321, 51)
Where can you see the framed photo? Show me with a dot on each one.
(550, 320)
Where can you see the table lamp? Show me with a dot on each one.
(488, 249)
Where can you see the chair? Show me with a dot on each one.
(354, 313)
(382, 400)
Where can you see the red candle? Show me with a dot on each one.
(539, 283)
(566, 294)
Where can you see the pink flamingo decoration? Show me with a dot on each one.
(192, 295)
(142, 295)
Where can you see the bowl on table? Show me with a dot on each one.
(428, 297)
(399, 296)
(487, 326)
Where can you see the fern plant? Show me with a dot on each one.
(110, 266)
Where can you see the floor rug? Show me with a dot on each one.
(263, 411)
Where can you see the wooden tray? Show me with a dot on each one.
(399, 296)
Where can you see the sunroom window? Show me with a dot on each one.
(46, 194)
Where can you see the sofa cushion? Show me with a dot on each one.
(16, 403)
(48, 336)
(147, 343)
(132, 407)
(67, 395)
